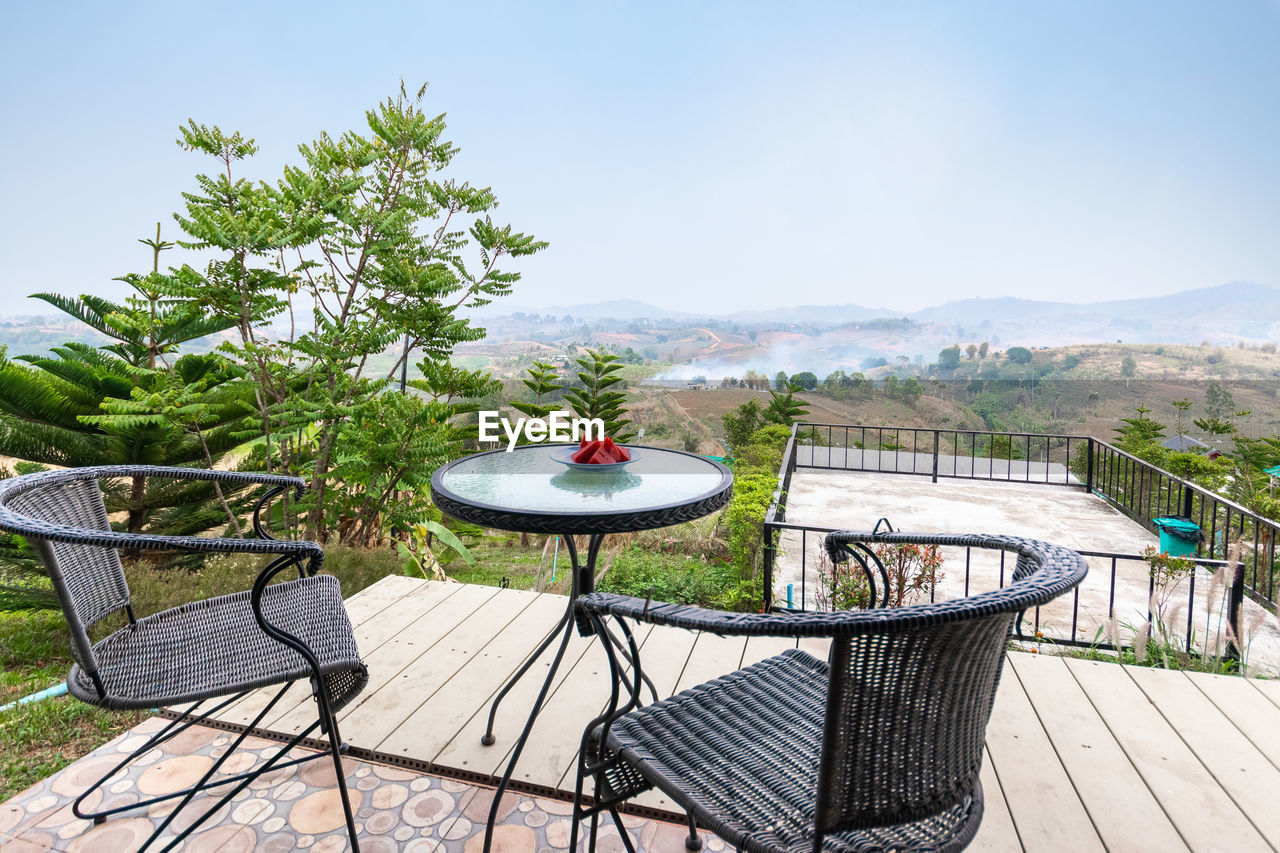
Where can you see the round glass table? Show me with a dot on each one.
(534, 489)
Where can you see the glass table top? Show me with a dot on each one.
(530, 479)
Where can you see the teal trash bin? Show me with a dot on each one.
(1179, 537)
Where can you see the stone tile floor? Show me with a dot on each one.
(294, 808)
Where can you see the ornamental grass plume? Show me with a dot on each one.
(1140, 641)
(1113, 632)
(1255, 622)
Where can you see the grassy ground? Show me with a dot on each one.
(40, 738)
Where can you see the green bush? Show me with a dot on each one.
(154, 589)
(678, 579)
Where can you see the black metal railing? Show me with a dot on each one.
(967, 454)
(1135, 487)
(1144, 492)
(806, 592)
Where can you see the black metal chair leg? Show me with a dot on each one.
(626, 655)
(488, 739)
(335, 749)
(622, 830)
(693, 842)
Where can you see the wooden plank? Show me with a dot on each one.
(1201, 810)
(1101, 771)
(761, 648)
(362, 607)
(552, 749)
(386, 589)
(1242, 771)
(712, 657)
(406, 670)
(465, 751)
(996, 833)
(371, 635)
(1246, 707)
(1046, 810)
(1269, 688)
(428, 730)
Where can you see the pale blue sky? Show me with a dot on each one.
(707, 156)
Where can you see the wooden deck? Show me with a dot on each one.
(1080, 756)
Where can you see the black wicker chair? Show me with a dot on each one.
(221, 648)
(878, 748)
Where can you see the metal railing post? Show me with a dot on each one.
(767, 597)
(1235, 598)
(936, 440)
(1088, 468)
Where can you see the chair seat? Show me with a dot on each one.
(741, 754)
(216, 648)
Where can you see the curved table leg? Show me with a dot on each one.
(488, 739)
(583, 582)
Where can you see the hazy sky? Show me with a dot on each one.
(706, 156)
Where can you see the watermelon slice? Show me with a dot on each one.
(585, 451)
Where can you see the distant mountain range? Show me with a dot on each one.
(1221, 314)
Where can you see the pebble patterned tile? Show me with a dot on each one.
(297, 808)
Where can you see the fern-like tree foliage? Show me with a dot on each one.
(600, 395)
(134, 401)
(367, 241)
(544, 382)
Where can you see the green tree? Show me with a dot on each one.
(1019, 355)
(1140, 435)
(741, 423)
(779, 380)
(805, 380)
(386, 453)
(783, 408)
(124, 403)
(911, 391)
(598, 397)
(543, 381)
(949, 358)
(374, 238)
(1128, 366)
(1180, 409)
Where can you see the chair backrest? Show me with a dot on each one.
(88, 578)
(909, 698)
(906, 717)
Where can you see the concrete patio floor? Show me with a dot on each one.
(1063, 515)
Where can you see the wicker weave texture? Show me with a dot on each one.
(215, 647)
(742, 753)
(89, 581)
(878, 750)
(197, 651)
(905, 721)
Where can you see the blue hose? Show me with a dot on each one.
(38, 696)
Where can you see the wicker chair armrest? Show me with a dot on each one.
(1043, 572)
(22, 525)
(693, 618)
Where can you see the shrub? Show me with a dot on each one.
(645, 573)
(913, 571)
(155, 588)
